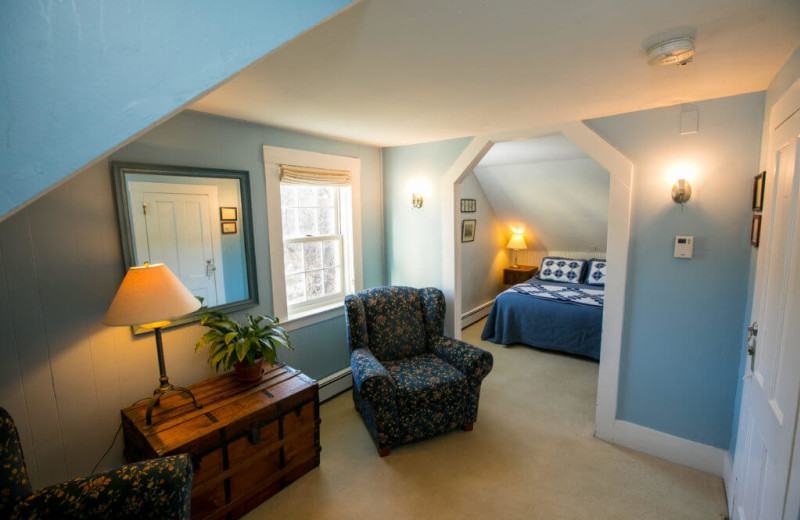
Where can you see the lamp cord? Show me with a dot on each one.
(114, 440)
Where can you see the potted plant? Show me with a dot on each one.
(243, 346)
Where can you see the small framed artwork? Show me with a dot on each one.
(468, 230)
(229, 214)
(758, 191)
(755, 230)
(228, 228)
(468, 206)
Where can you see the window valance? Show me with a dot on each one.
(319, 176)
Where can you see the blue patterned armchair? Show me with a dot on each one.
(409, 381)
(153, 489)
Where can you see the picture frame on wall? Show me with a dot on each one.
(469, 205)
(468, 230)
(755, 230)
(758, 191)
(228, 214)
(228, 228)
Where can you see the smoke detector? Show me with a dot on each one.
(679, 51)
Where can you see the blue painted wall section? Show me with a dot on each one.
(79, 78)
(413, 236)
(683, 318)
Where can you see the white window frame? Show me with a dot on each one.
(351, 248)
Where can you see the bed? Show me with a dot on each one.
(562, 313)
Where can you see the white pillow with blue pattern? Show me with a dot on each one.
(556, 269)
(596, 275)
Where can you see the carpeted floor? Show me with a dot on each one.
(531, 455)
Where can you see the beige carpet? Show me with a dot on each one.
(531, 455)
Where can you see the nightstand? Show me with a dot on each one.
(514, 275)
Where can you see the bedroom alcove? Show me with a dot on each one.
(620, 171)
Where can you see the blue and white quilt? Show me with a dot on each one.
(573, 295)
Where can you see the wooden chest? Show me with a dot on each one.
(247, 442)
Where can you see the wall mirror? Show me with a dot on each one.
(198, 222)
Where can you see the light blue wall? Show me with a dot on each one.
(789, 73)
(681, 384)
(196, 139)
(413, 236)
(81, 77)
(683, 321)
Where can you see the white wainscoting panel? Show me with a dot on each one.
(535, 256)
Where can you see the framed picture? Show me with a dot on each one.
(758, 191)
(468, 206)
(468, 230)
(755, 230)
(228, 228)
(229, 214)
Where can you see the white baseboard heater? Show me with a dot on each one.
(335, 384)
(476, 314)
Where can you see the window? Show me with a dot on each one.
(313, 244)
(314, 226)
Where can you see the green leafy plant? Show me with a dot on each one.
(231, 342)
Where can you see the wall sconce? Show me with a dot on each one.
(416, 200)
(681, 191)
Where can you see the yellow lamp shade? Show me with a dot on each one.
(517, 242)
(150, 294)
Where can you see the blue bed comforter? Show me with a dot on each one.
(545, 323)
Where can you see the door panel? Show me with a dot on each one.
(770, 396)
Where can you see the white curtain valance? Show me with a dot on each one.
(319, 176)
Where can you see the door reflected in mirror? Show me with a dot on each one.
(197, 221)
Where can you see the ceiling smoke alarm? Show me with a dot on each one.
(679, 51)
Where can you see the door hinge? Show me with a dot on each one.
(144, 207)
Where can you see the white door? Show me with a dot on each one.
(176, 224)
(769, 405)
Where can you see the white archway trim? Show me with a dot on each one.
(619, 213)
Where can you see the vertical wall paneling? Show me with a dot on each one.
(25, 305)
(12, 394)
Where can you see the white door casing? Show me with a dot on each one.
(181, 229)
(768, 417)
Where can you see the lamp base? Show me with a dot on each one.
(516, 265)
(160, 392)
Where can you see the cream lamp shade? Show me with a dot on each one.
(517, 242)
(150, 294)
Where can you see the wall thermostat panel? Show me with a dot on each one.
(684, 246)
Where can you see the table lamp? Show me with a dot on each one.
(516, 242)
(150, 296)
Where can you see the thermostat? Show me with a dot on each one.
(684, 246)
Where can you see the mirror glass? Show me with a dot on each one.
(197, 221)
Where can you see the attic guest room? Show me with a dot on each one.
(334, 259)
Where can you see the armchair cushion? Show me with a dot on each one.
(475, 362)
(156, 488)
(422, 380)
(395, 325)
(14, 483)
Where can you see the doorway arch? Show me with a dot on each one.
(621, 171)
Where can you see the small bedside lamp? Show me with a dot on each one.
(150, 296)
(517, 242)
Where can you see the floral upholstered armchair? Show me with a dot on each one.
(157, 488)
(410, 382)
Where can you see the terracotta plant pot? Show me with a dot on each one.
(247, 373)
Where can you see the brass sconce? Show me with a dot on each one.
(416, 200)
(681, 191)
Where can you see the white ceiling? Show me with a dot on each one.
(390, 72)
(542, 149)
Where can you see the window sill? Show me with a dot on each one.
(318, 315)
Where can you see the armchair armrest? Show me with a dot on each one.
(156, 488)
(470, 360)
(372, 380)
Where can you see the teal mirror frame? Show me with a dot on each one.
(119, 171)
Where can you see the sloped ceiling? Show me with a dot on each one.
(550, 188)
(390, 72)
